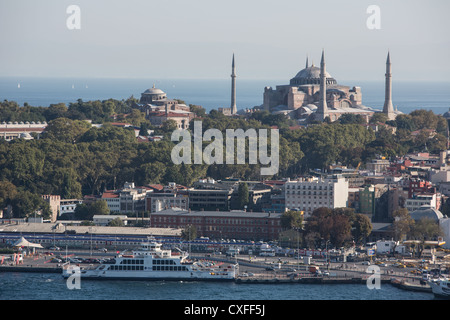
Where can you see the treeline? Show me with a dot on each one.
(72, 158)
(338, 227)
(97, 111)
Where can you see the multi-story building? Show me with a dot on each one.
(432, 199)
(308, 194)
(128, 199)
(68, 205)
(378, 165)
(210, 199)
(170, 196)
(419, 186)
(367, 197)
(222, 224)
(112, 199)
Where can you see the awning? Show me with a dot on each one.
(22, 242)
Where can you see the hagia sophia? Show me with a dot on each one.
(313, 94)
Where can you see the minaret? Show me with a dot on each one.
(322, 111)
(306, 62)
(388, 108)
(233, 88)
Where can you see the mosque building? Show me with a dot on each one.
(313, 94)
(158, 108)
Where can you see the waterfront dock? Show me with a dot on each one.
(252, 273)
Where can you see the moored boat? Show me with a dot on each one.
(440, 287)
(151, 262)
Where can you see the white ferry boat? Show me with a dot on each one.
(440, 287)
(150, 262)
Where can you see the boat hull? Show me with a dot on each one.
(149, 276)
(440, 291)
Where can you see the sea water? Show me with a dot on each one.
(48, 286)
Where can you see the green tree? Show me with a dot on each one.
(292, 220)
(423, 230)
(403, 223)
(361, 228)
(242, 195)
(88, 211)
(8, 192)
(66, 130)
(26, 204)
(329, 225)
(117, 222)
(55, 111)
(189, 233)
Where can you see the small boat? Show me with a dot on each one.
(396, 282)
(151, 262)
(440, 287)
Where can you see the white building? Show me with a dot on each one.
(312, 193)
(112, 199)
(105, 219)
(68, 205)
(384, 247)
(14, 130)
(431, 200)
(128, 199)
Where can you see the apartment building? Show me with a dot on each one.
(308, 194)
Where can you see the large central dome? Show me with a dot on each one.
(311, 75)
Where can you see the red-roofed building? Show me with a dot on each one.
(112, 198)
(182, 119)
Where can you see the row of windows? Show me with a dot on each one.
(158, 261)
(141, 268)
(241, 231)
(170, 268)
(315, 203)
(126, 268)
(132, 261)
(309, 193)
(304, 187)
(217, 221)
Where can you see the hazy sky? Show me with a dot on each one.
(196, 38)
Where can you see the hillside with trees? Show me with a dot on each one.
(72, 158)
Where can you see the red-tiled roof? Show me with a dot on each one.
(109, 195)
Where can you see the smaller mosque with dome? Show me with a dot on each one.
(158, 108)
(313, 94)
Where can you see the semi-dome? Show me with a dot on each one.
(427, 211)
(311, 75)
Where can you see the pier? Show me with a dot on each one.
(257, 273)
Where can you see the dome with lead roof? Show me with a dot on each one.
(311, 75)
(152, 95)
